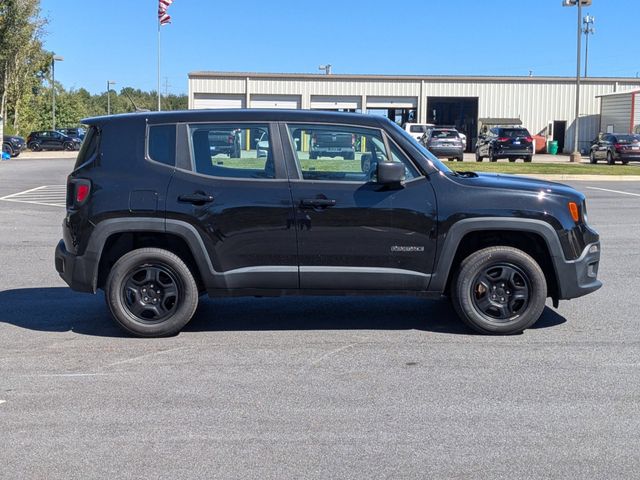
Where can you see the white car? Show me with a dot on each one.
(417, 130)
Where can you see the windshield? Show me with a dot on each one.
(431, 159)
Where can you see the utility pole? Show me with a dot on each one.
(109, 83)
(166, 86)
(54, 59)
(588, 29)
(576, 155)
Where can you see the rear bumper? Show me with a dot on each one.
(447, 152)
(513, 152)
(77, 271)
(579, 277)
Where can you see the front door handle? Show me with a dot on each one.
(196, 198)
(317, 203)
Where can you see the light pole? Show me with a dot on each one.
(588, 29)
(54, 59)
(575, 155)
(109, 83)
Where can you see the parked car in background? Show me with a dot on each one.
(52, 140)
(262, 146)
(332, 144)
(417, 130)
(74, 132)
(505, 142)
(444, 143)
(226, 142)
(615, 146)
(13, 145)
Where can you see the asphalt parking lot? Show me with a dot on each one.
(311, 387)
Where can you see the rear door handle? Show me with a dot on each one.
(317, 203)
(196, 198)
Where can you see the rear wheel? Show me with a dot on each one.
(492, 157)
(460, 159)
(34, 147)
(592, 157)
(151, 292)
(69, 146)
(499, 290)
(624, 162)
(528, 158)
(478, 156)
(512, 160)
(610, 160)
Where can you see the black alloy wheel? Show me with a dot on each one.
(68, 146)
(501, 291)
(592, 157)
(151, 292)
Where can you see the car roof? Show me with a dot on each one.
(244, 115)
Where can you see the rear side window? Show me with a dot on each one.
(89, 148)
(232, 150)
(162, 144)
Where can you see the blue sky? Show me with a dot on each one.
(117, 39)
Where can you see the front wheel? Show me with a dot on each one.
(499, 290)
(69, 146)
(478, 156)
(151, 292)
(35, 147)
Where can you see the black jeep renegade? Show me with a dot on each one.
(156, 217)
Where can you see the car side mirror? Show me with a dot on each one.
(390, 173)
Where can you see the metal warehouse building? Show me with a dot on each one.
(545, 105)
(620, 112)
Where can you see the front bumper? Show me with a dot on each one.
(77, 271)
(579, 277)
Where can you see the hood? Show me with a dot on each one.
(515, 182)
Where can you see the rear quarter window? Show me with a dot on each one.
(162, 144)
(90, 146)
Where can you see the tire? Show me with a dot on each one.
(6, 148)
(505, 271)
(512, 160)
(312, 156)
(350, 156)
(460, 159)
(610, 160)
(450, 159)
(147, 271)
(592, 157)
(68, 146)
(528, 159)
(34, 147)
(478, 157)
(492, 157)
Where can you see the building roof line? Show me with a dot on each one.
(478, 78)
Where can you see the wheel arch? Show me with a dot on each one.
(534, 237)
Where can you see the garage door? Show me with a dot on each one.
(392, 102)
(275, 101)
(326, 102)
(210, 100)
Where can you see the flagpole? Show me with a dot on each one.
(159, 25)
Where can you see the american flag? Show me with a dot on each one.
(163, 16)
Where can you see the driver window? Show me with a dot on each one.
(340, 153)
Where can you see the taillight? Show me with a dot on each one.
(529, 139)
(503, 139)
(618, 147)
(79, 190)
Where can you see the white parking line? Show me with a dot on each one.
(49, 195)
(615, 191)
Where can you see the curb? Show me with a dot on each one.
(591, 178)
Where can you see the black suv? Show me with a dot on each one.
(52, 140)
(505, 142)
(155, 219)
(615, 146)
(13, 145)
